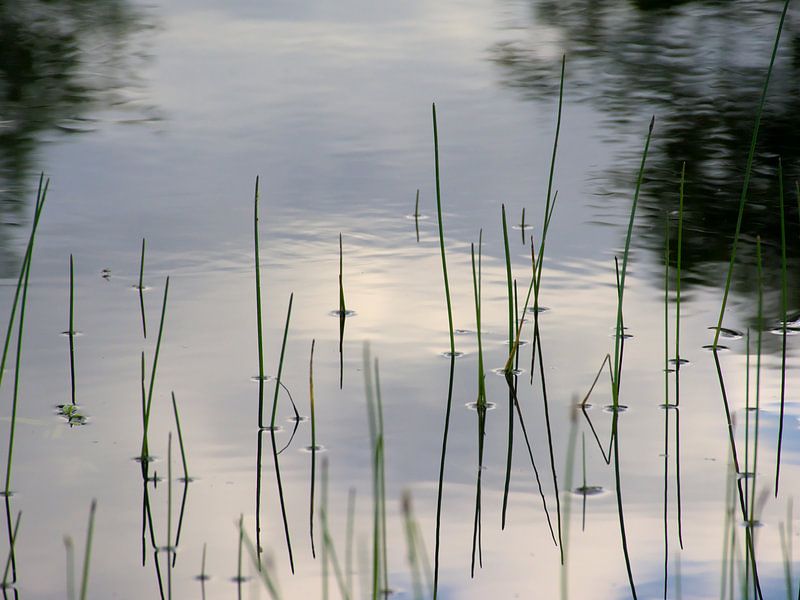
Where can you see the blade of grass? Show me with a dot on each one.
(748, 170)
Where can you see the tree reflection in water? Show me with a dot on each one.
(699, 67)
(66, 67)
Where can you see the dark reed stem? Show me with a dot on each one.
(452, 359)
(169, 515)
(144, 453)
(667, 405)
(481, 402)
(735, 456)
(203, 575)
(239, 576)
(784, 318)
(272, 436)
(259, 322)
(748, 170)
(342, 316)
(141, 292)
(679, 506)
(71, 332)
(522, 226)
(87, 555)
(180, 439)
(11, 543)
(313, 449)
(184, 497)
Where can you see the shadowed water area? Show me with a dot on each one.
(151, 121)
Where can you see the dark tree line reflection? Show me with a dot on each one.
(700, 68)
(62, 63)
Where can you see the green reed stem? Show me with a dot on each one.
(259, 322)
(144, 453)
(508, 279)
(22, 286)
(747, 171)
(481, 402)
(280, 362)
(87, 555)
(441, 232)
(452, 357)
(784, 318)
(71, 331)
(180, 439)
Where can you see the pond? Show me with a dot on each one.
(151, 122)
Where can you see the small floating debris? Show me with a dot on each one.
(625, 335)
(264, 378)
(728, 334)
(73, 333)
(474, 405)
(140, 288)
(712, 347)
(317, 448)
(745, 475)
(448, 354)
(538, 309)
(521, 343)
(276, 429)
(501, 371)
(668, 406)
(790, 330)
(417, 217)
(618, 408)
(589, 490)
(105, 274)
(463, 332)
(202, 577)
(339, 313)
(297, 419)
(71, 413)
(679, 362)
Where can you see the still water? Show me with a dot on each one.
(152, 121)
